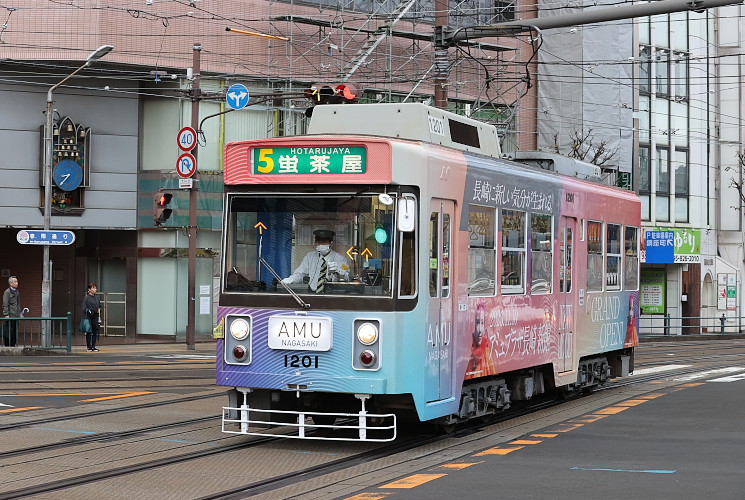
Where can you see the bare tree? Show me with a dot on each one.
(583, 147)
(737, 181)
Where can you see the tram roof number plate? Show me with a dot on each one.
(293, 333)
(39, 237)
(186, 165)
(187, 139)
(237, 96)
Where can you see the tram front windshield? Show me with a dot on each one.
(276, 244)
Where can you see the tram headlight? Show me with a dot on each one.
(367, 333)
(239, 329)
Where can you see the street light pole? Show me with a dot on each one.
(46, 289)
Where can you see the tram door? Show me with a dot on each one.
(440, 314)
(567, 292)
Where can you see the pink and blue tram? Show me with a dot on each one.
(472, 281)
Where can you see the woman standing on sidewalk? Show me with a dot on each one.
(92, 311)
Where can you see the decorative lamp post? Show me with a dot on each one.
(46, 290)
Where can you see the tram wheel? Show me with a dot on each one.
(445, 428)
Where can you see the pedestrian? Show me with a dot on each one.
(11, 309)
(92, 311)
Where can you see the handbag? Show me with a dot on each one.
(85, 325)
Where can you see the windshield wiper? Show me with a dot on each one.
(300, 301)
(355, 195)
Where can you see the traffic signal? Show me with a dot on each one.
(161, 212)
(325, 93)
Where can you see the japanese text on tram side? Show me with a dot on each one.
(503, 195)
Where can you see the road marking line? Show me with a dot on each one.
(731, 378)
(11, 410)
(413, 481)
(569, 427)
(632, 402)
(64, 430)
(651, 471)
(524, 441)
(498, 451)
(544, 435)
(653, 395)
(611, 410)
(459, 466)
(119, 395)
(370, 496)
(708, 373)
(587, 419)
(658, 369)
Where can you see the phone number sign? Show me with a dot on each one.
(309, 160)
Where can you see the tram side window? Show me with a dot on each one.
(613, 257)
(631, 259)
(594, 256)
(541, 257)
(434, 256)
(408, 264)
(482, 251)
(513, 251)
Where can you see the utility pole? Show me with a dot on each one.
(442, 54)
(191, 324)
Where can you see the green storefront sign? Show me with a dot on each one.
(653, 286)
(309, 160)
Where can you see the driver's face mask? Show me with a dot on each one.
(323, 249)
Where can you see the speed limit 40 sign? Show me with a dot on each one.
(187, 139)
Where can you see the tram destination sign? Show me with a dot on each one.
(309, 160)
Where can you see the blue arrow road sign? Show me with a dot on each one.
(37, 237)
(237, 96)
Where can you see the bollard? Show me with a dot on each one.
(722, 321)
(69, 331)
(667, 323)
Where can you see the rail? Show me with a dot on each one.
(667, 325)
(28, 332)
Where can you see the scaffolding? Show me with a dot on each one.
(386, 47)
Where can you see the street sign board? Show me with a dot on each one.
(40, 237)
(187, 139)
(186, 165)
(186, 183)
(237, 96)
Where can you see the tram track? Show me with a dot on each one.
(280, 481)
(103, 411)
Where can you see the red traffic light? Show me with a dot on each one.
(160, 211)
(163, 199)
(332, 94)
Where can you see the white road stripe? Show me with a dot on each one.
(731, 378)
(658, 369)
(709, 373)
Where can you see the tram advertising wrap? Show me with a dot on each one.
(373, 276)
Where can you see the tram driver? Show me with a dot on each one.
(321, 265)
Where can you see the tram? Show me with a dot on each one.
(463, 282)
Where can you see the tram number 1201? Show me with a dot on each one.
(295, 361)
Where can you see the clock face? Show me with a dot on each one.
(68, 175)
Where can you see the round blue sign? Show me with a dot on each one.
(237, 96)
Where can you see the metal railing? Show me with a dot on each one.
(28, 332)
(667, 325)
